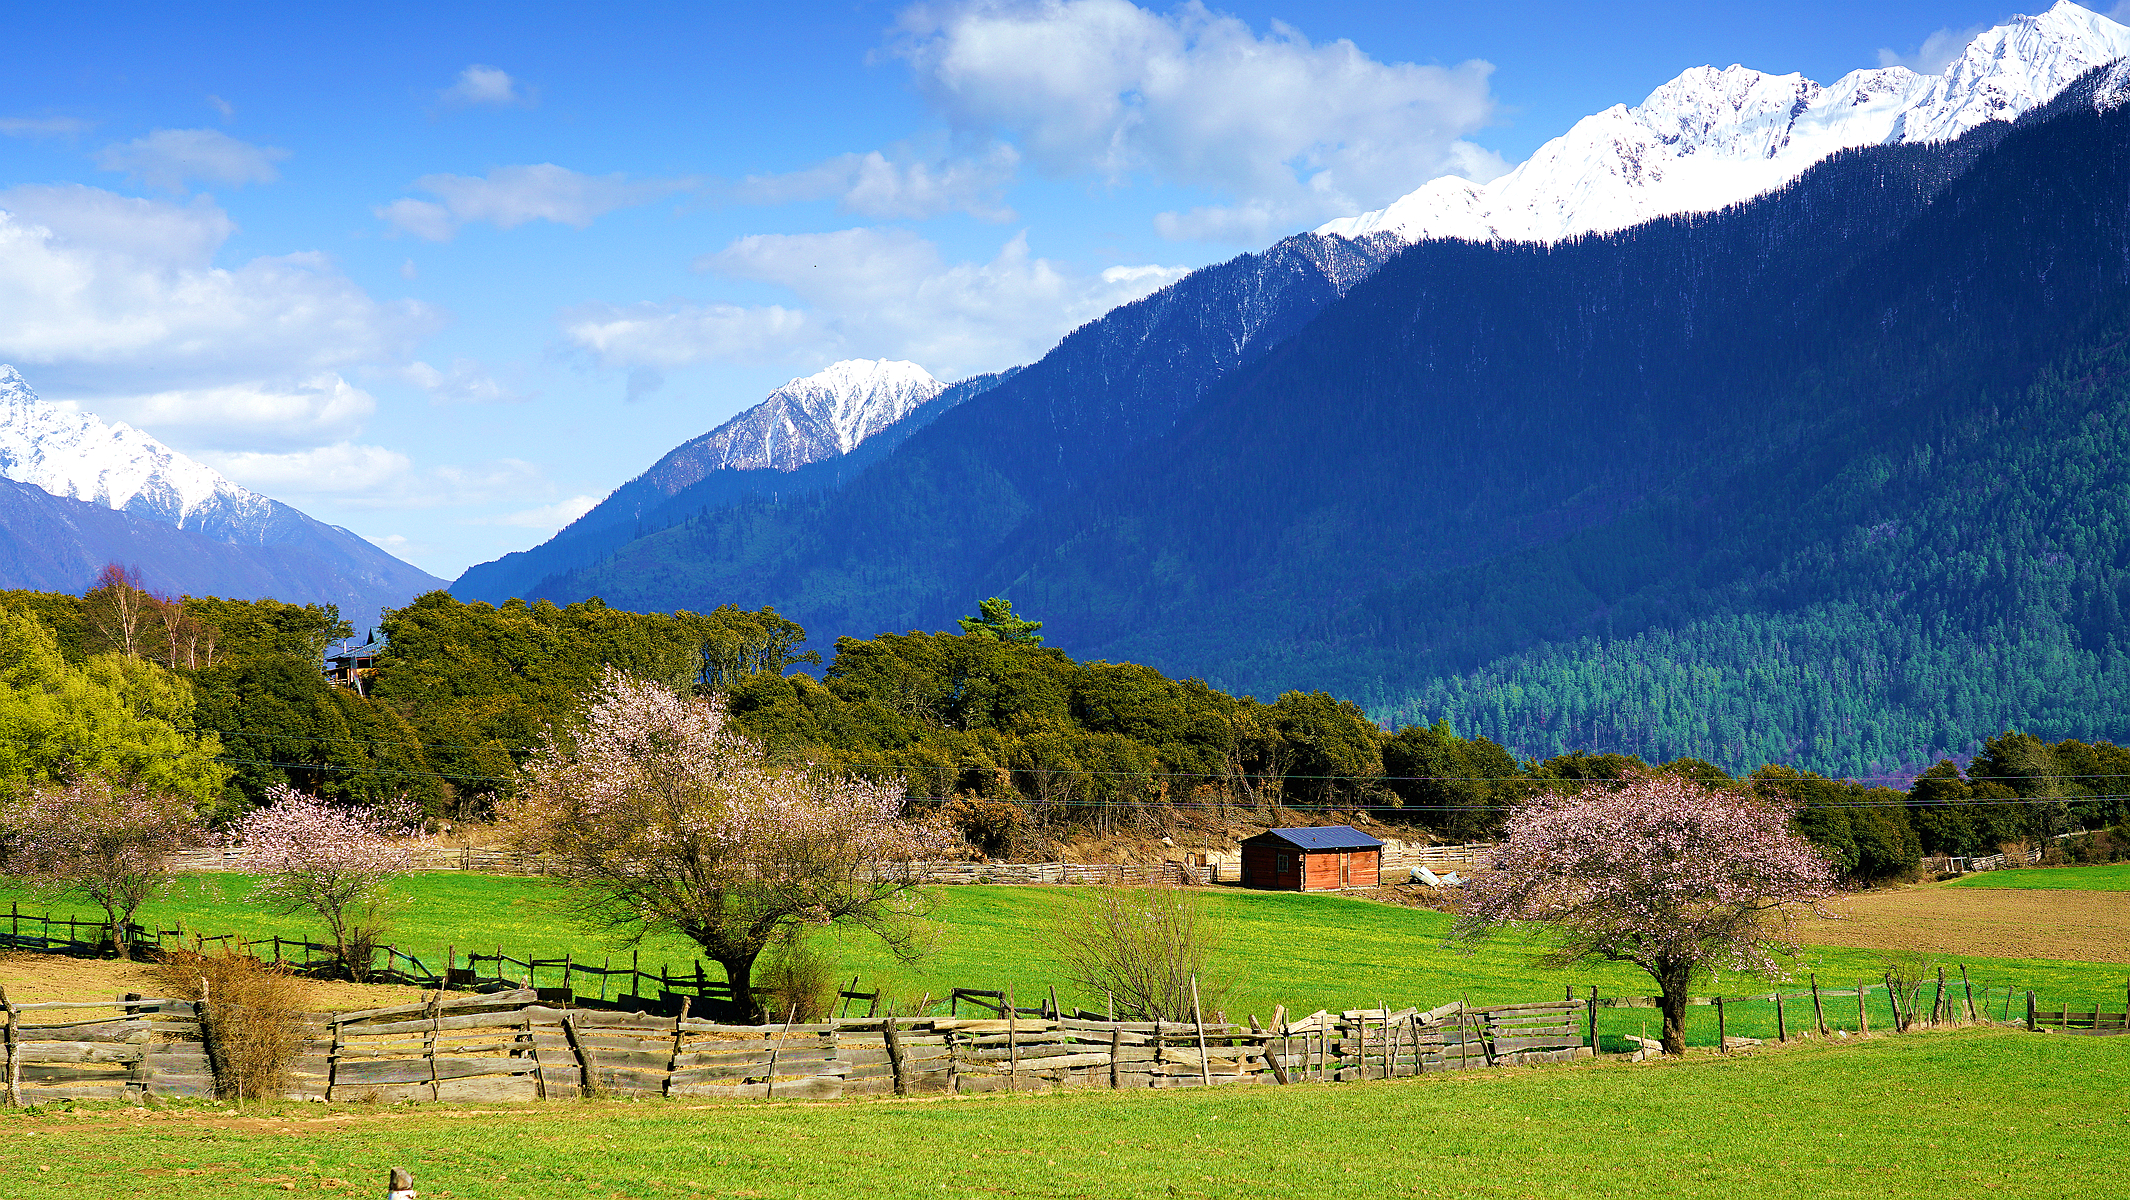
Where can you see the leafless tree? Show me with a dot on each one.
(1141, 947)
(119, 608)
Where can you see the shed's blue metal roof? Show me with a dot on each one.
(1325, 837)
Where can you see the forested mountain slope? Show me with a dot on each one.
(1831, 478)
(1826, 478)
(894, 540)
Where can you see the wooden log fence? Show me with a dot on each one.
(511, 1046)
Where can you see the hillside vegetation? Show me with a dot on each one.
(1831, 479)
(1017, 744)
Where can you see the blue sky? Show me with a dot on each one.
(447, 276)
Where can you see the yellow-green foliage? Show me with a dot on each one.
(127, 720)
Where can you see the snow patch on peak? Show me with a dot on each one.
(818, 416)
(78, 456)
(1710, 137)
(859, 397)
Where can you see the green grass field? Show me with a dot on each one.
(1303, 951)
(1975, 1113)
(2112, 877)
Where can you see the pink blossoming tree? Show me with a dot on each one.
(1679, 879)
(327, 861)
(111, 846)
(666, 819)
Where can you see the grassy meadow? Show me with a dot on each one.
(1302, 951)
(2109, 877)
(1972, 1113)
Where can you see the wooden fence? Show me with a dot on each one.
(1396, 866)
(66, 1050)
(511, 1046)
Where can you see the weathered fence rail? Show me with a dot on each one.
(517, 1045)
(67, 1050)
(511, 1046)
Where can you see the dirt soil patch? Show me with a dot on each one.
(1990, 922)
(31, 978)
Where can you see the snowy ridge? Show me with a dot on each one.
(806, 420)
(78, 456)
(1711, 138)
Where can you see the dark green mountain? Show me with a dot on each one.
(1835, 478)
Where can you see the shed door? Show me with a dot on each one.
(1345, 867)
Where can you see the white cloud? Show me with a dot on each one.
(253, 411)
(508, 197)
(479, 84)
(1936, 53)
(548, 517)
(44, 127)
(874, 185)
(343, 468)
(115, 303)
(464, 383)
(222, 106)
(167, 158)
(647, 338)
(1293, 131)
(867, 293)
(363, 476)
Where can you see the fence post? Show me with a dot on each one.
(1723, 1042)
(1116, 1051)
(1205, 1069)
(894, 1055)
(14, 1055)
(1863, 1021)
(332, 1060)
(1969, 985)
(1013, 1044)
(680, 1022)
(2030, 1025)
(1937, 1002)
(576, 1049)
(1593, 1032)
(1819, 1015)
(1782, 1031)
(224, 1081)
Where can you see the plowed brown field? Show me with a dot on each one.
(31, 977)
(1998, 923)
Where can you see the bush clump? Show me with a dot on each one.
(254, 1019)
(796, 983)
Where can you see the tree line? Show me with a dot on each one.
(1017, 744)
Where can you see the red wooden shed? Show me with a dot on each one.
(1318, 858)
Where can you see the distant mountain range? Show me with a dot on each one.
(1711, 138)
(80, 493)
(1832, 475)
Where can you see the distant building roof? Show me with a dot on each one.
(1323, 837)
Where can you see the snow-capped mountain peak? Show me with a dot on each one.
(859, 397)
(79, 456)
(819, 416)
(1710, 137)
